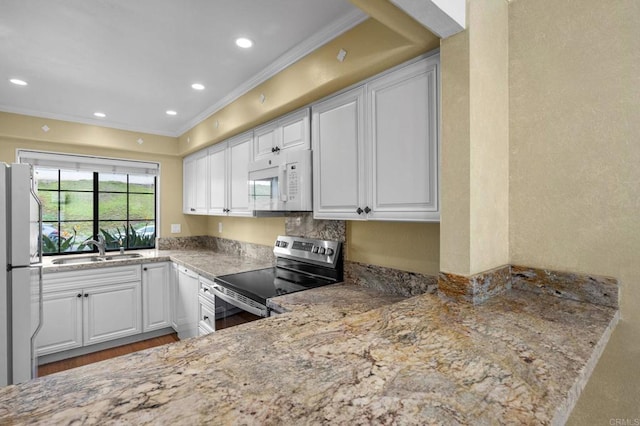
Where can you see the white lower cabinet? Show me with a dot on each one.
(62, 322)
(81, 308)
(156, 296)
(111, 312)
(186, 303)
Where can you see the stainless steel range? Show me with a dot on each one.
(301, 264)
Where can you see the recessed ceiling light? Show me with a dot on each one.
(171, 112)
(100, 114)
(244, 42)
(18, 82)
(197, 86)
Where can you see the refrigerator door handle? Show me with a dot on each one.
(34, 359)
(39, 203)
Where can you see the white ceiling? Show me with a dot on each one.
(135, 59)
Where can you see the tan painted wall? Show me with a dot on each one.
(489, 124)
(575, 123)
(575, 167)
(413, 247)
(18, 126)
(252, 230)
(455, 222)
(170, 194)
(475, 142)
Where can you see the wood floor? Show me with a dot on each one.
(78, 361)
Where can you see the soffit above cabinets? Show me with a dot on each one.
(134, 61)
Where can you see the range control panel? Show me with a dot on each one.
(315, 251)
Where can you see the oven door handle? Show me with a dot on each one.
(235, 302)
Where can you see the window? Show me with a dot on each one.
(83, 199)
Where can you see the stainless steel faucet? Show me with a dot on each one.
(100, 244)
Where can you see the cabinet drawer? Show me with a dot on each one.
(84, 278)
(206, 291)
(206, 315)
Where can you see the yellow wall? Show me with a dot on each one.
(413, 247)
(16, 126)
(252, 230)
(475, 142)
(575, 167)
(575, 122)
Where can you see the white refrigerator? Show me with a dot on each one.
(20, 274)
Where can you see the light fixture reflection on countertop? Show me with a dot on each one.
(197, 86)
(18, 82)
(100, 114)
(171, 112)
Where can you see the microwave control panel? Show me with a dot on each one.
(292, 182)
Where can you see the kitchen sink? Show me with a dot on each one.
(122, 256)
(93, 258)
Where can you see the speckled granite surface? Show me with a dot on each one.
(343, 355)
(389, 280)
(204, 262)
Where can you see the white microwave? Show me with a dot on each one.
(282, 183)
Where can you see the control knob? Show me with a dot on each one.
(329, 251)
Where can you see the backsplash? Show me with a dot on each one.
(219, 245)
(304, 225)
(581, 287)
(474, 289)
(388, 280)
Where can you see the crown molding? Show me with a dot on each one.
(301, 50)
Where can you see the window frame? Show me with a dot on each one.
(96, 165)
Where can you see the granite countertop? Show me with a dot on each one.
(204, 262)
(344, 354)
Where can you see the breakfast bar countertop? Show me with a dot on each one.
(344, 354)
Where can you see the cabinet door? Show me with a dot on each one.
(195, 183)
(61, 322)
(111, 312)
(239, 154)
(217, 158)
(295, 131)
(338, 156)
(403, 135)
(156, 296)
(187, 303)
(265, 138)
(173, 286)
(188, 185)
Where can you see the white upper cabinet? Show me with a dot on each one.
(338, 156)
(217, 156)
(403, 124)
(376, 148)
(194, 180)
(239, 156)
(228, 176)
(265, 140)
(288, 132)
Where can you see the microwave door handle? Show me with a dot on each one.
(282, 183)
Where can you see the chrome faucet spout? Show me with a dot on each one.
(100, 244)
